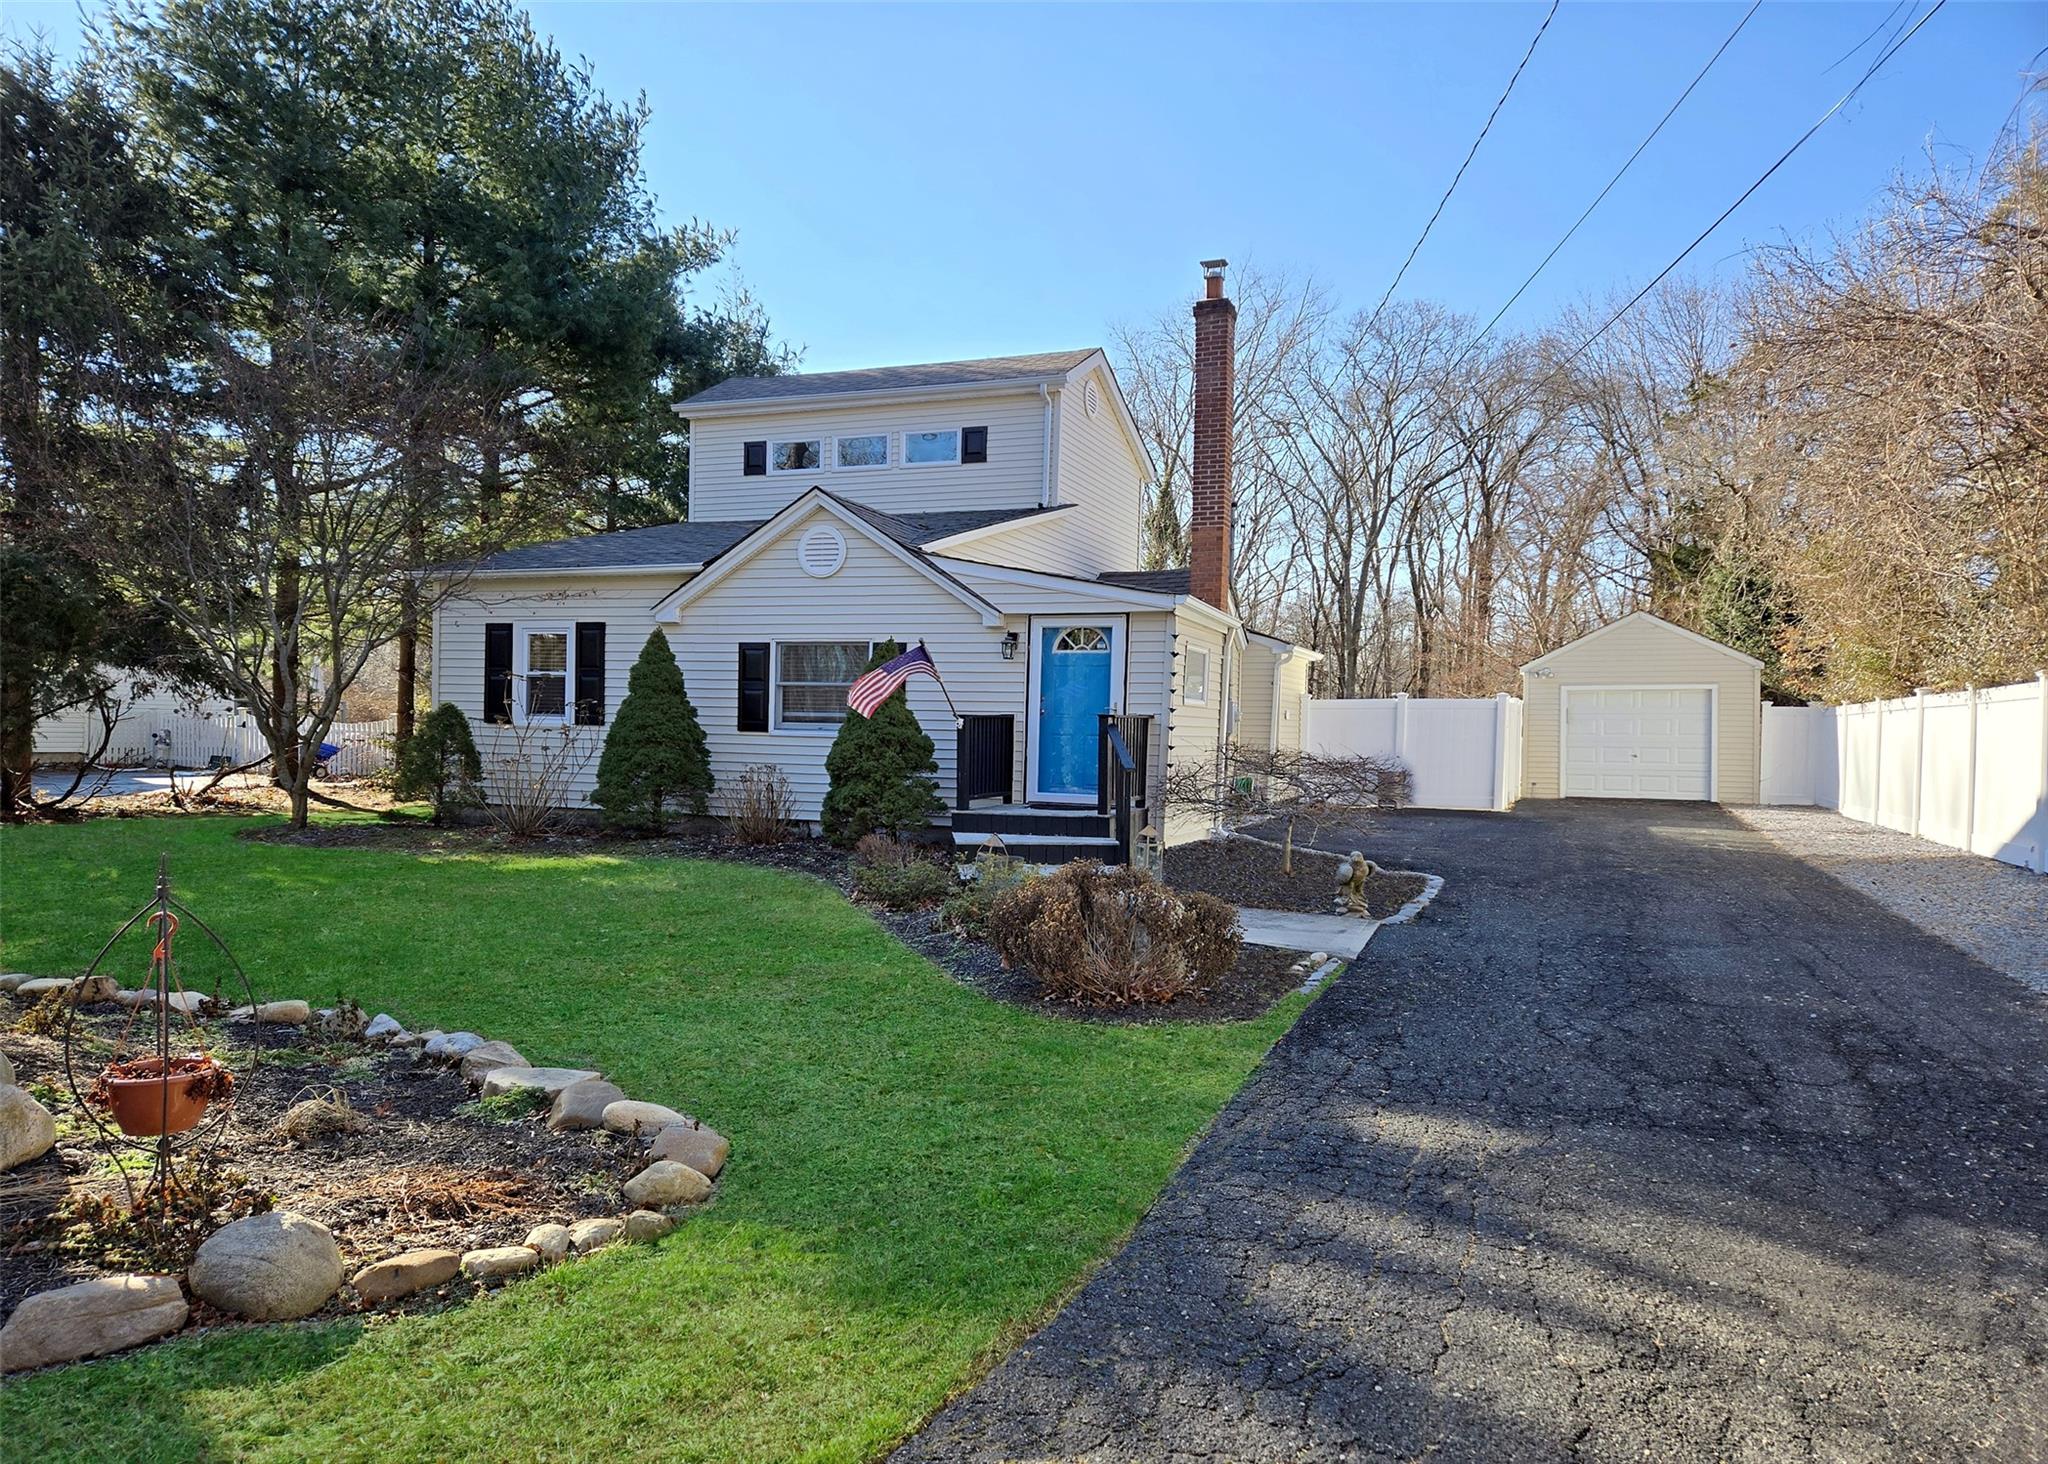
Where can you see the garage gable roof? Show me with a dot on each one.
(1656, 620)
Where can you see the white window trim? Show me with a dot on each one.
(888, 452)
(522, 630)
(801, 729)
(1188, 681)
(775, 442)
(959, 437)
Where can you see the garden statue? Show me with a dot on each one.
(1353, 870)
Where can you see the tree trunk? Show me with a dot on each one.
(1287, 850)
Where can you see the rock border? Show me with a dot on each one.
(86, 1319)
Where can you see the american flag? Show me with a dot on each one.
(867, 694)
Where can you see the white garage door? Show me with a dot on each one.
(1657, 742)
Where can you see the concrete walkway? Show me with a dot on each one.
(1291, 930)
(1646, 1141)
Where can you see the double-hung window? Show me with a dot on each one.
(796, 455)
(543, 669)
(922, 448)
(811, 679)
(1195, 680)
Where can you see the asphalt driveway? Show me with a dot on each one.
(1646, 1141)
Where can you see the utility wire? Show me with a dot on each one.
(1602, 194)
(1474, 152)
(1901, 5)
(1840, 102)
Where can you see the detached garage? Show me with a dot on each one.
(1642, 708)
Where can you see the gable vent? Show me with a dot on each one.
(821, 551)
(1092, 397)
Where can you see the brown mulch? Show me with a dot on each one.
(417, 1174)
(1261, 977)
(1248, 873)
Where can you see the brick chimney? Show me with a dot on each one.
(1215, 376)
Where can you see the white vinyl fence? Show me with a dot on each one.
(186, 737)
(1968, 769)
(1462, 753)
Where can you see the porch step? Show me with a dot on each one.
(1042, 849)
(1014, 821)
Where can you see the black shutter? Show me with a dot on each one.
(753, 686)
(974, 444)
(590, 673)
(498, 671)
(754, 460)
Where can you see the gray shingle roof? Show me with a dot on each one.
(888, 378)
(1161, 581)
(669, 546)
(662, 547)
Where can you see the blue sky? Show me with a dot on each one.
(924, 182)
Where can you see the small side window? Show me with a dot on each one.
(1195, 679)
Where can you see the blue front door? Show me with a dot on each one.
(1074, 665)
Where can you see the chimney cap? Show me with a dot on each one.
(1214, 267)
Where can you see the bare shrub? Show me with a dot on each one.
(897, 873)
(1115, 936)
(530, 777)
(1250, 784)
(969, 909)
(760, 808)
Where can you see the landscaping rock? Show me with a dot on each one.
(285, 1013)
(648, 1225)
(90, 1318)
(488, 1058)
(665, 1182)
(26, 1128)
(451, 1046)
(550, 1242)
(84, 990)
(588, 1235)
(498, 1260)
(191, 1003)
(405, 1273)
(582, 1105)
(534, 1079)
(268, 1267)
(703, 1149)
(6, 1070)
(11, 980)
(383, 1028)
(629, 1117)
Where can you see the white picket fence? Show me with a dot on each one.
(190, 738)
(1968, 769)
(1461, 752)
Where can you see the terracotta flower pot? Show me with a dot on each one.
(145, 1102)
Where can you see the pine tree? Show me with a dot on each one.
(881, 769)
(654, 754)
(439, 761)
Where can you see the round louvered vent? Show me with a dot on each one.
(1092, 397)
(821, 551)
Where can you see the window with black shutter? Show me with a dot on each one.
(498, 671)
(754, 459)
(590, 673)
(974, 444)
(753, 698)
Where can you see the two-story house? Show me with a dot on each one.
(988, 509)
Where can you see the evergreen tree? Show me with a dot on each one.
(881, 769)
(439, 762)
(654, 754)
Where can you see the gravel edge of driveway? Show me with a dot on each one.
(1993, 911)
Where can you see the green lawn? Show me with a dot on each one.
(918, 1173)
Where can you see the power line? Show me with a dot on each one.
(1901, 5)
(1456, 177)
(1602, 194)
(1840, 102)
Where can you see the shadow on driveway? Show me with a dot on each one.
(1645, 1140)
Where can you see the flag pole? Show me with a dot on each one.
(958, 720)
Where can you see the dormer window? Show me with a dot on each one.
(799, 455)
(863, 450)
(923, 448)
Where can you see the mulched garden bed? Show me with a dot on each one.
(1248, 873)
(422, 1172)
(1261, 977)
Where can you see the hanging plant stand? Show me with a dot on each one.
(168, 1084)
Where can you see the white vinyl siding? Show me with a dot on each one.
(1011, 478)
(1098, 470)
(1196, 730)
(1637, 653)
